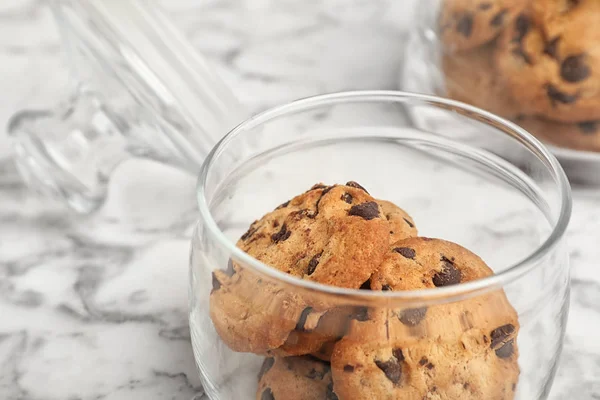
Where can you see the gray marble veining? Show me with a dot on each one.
(96, 307)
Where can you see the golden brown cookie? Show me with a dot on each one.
(368, 365)
(550, 59)
(470, 77)
(294, 378)
(465, 349)
(578, 136)
(251, 314)
(335, 235)
(466, 24)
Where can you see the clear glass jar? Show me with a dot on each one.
(529, 61)
(509, 204)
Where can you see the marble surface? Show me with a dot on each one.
(96, 307)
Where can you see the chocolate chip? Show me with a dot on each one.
(386, 287)
(282, 235)
(506, 350)
(501, 334)
(347, 197)
(368, 210)
(498, 19)
(348, 368)
(406, 252)
(366, 285)
(314, 374)
(267, 394)
(588, 127)
(251, 231)
(409, 223)
(391, 368)
(485, 6)
(275, 224)
(302, 319)
(330, 395)
(466, 385)
(429, 366)
(556, 96)
(574, 69)
(361, 314)
(502, 341)
(216, 284)
(449, 275)
(464, 25)
(284, 205)
(423, 361)
(357, 186)
(312, 264)
(522, 26)
(412, 316)
(398, 354)
(520, 53)
(266, 366)
(551, 48)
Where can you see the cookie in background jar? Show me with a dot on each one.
(584, 136)
(466, 24)
(471, 78)
(549, 58)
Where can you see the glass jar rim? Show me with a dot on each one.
(498, 280)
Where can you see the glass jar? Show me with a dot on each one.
(509, 204)
(530, 61)
(139, 90)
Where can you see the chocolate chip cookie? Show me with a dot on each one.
(369, 365)
(466, 24)
(470, 77)
(334, 235)
(578, 136)
(251, 314)
(550, 60)
(465, 349)
(295, 378)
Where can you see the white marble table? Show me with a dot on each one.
(96, 307)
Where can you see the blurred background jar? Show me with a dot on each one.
(534, 62)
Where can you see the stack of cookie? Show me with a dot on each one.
(321, 346)
(536, 62)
